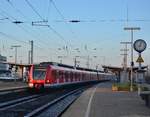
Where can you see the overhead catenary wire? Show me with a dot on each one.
(48, 10)
(62, 16)
(12, 5)
(22, 28)
(49, 26)
(24, 17)
(22, 14)
(103, 20)
(4, 18)
(44, 20)
(12, 37)
(34, 9)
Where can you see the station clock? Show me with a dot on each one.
(140, 45)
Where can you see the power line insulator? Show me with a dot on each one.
(74, 21)
(17, 22)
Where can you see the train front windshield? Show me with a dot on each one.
(39, 74)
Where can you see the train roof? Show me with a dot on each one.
(45, 64)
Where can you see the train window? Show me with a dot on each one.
(79, 76)
(66, 75)
(83, 76)
(60, 74)
(71, 74)
(75, 75)
(39, 74)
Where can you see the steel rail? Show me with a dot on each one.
(12, 103)
(52, 103)
(12, 90)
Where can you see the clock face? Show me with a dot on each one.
(140, 45)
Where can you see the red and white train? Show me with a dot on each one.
(50, 74)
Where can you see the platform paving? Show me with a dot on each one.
(101, 101)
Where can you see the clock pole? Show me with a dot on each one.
(140, 65)
(140, 46)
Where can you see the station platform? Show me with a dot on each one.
(101, 101)
(7, 85)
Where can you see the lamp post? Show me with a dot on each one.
(132, 63)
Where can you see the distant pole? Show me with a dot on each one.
(75, 62)
(140, 65)
(15, 46)
(88, 62)
(29, 57)
(60, 57)
(103, 60)
(31, 52)
(125, 54)
(124, 77)
(132, 63)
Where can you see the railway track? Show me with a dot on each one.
(12, 103)
(13, 94)
(56, 107)
(12, 90)
(25, 106)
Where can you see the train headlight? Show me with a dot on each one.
(48, 81)
(31, 85)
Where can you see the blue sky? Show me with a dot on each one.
(101, 27)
